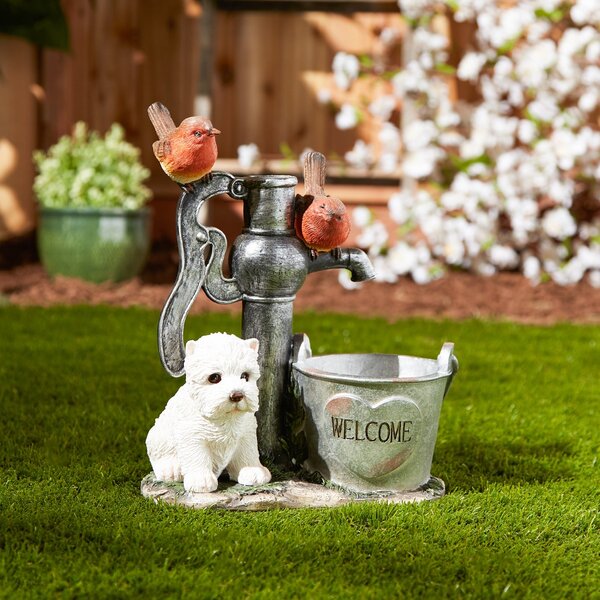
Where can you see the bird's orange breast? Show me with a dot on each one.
(189, 160)
(324, 229)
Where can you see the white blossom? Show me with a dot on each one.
(388, 162)
(413, 9)
(594, 278)
(589, 256)
(527, 131)
(445, 116)
(399, 206)
(471, 65)
(574, 40)
(390, 138)
(591, 75)
(592, 53)
(361, 156)
(383, 271)
(453, 250)
(532, 269)
(347, 117)
(421, 163)
(374, 236)
(247, 155)
(558, 223)
(423, 274)
(362, 216)
(570, 273)
(561, 191)
(484, 268)
(419, 134)
(589, 100)
(389, 35)
(585, 11)
(468, 9)
(324, 96)
(402, 258)
(523, 214)
(344, 279)
(537, 30)
(450, 138)
(567, 147)
(533, 62)
(383, 107)
(346, 68)
(543, 108)
(411, 80)
(499, 28)
(503, 257)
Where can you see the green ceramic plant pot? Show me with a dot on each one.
(94, 244)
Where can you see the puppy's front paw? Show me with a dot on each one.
(167, 469)
(200, 481)
(254, 475)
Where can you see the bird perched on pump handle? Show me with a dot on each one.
(186, 153)
(321, 221)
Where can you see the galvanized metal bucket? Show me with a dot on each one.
(371, 420)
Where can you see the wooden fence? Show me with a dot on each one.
(267, 68)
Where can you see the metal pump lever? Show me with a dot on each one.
(193, 239)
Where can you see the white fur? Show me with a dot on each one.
(202, 431)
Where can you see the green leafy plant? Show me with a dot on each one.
(88, 170)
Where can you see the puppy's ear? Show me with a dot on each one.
(190, 347)
(252, 344)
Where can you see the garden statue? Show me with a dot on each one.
(209, 424)
(186, 153)
(320, 221)
(365, 422)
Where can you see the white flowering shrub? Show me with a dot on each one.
(88, 170)
(507, 182)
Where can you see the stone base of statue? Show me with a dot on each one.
(280, 494)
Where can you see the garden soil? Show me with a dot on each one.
(456, 296)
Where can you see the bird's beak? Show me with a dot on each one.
(214, 131)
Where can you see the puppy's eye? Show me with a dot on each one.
(245, 376)
(214, 378)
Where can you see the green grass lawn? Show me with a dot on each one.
(517, 446)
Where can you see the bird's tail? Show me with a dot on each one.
(161, 119)
(315, 165)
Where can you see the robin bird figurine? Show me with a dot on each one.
(186, 153)
(321, 221)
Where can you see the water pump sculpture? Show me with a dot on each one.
(268, 266)
(368, 421)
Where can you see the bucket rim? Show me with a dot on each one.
(315, 373)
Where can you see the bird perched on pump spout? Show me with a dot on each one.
(321, 221)
(186, 153)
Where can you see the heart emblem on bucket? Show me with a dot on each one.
(372, 440)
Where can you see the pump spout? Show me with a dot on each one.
(353, 259)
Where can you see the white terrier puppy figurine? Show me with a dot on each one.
(209, 424)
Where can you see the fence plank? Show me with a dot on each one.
(269, 68)
(18, 129)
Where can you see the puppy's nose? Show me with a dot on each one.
(236, 396)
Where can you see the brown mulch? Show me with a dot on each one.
(456, 296)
